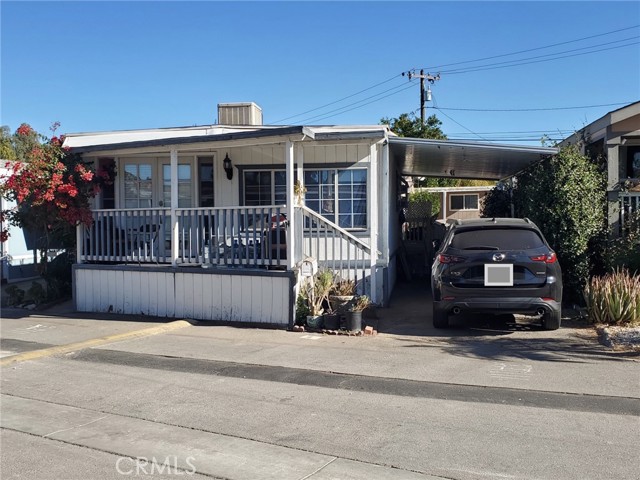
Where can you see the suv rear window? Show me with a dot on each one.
(497, 238)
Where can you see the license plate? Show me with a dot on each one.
(498, 275)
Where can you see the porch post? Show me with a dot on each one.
(290, 206)
(175, 236)
(373, 227)
(300, 161)
(79, 229)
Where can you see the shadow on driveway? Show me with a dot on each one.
(409, 317)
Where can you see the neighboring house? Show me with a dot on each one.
(214, 222)
(16, 260)
(615, 140)
(460, 203)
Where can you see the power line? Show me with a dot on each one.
(481, 68)
(435, 106)
(530, 109)
(337, 101)
(354, 105)
(555, 54)
(516, 132)
(531, 49)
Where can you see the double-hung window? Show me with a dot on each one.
(463, 202)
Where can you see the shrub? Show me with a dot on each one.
(624, 251)
(37, 293)
(614, 298)
(15, 295)
(302, 309)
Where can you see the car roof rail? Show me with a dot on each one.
(526, 219)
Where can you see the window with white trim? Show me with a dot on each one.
(340, 195)
(468, 201)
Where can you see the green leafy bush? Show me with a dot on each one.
(15, 295)
(624, 251)
(37, 293)
(565, 196)
(614, 299)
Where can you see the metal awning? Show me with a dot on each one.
(445, 158)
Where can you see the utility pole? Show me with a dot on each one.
(428, 77)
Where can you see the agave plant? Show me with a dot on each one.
(614, 298)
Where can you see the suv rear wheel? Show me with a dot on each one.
(551, 320)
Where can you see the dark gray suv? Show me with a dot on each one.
(493, 266)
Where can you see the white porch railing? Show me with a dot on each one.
(629, 204)
(125, 235)
(334, 248)
(241, 236)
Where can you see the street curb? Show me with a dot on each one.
(94, 342)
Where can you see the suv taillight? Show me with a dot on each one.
(450, 259)
(549, 258)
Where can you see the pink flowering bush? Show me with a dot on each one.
(52, 188)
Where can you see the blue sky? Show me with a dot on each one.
(120, 65)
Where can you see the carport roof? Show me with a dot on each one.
(446, 158)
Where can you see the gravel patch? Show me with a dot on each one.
(620, 338)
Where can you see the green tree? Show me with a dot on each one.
(407, 125)
(7, 151)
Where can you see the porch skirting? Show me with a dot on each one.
(214, 294)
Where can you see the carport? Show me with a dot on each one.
(469, 160)
(448, 159)
(409, 306)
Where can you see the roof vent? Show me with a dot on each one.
(247, 113)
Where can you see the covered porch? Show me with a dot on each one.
(180, 219)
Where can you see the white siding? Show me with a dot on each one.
(174, 293)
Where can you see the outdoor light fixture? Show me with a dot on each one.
(226, 164)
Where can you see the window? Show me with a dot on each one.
(339, 195)
(138, 185)
(184, 185)
(500, 238)
(107, 166)
(205, 176)
(464, 202)
(320, 194)
(265, 187)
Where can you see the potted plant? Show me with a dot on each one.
(316, 292)
(354, 320)
(341, 294)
